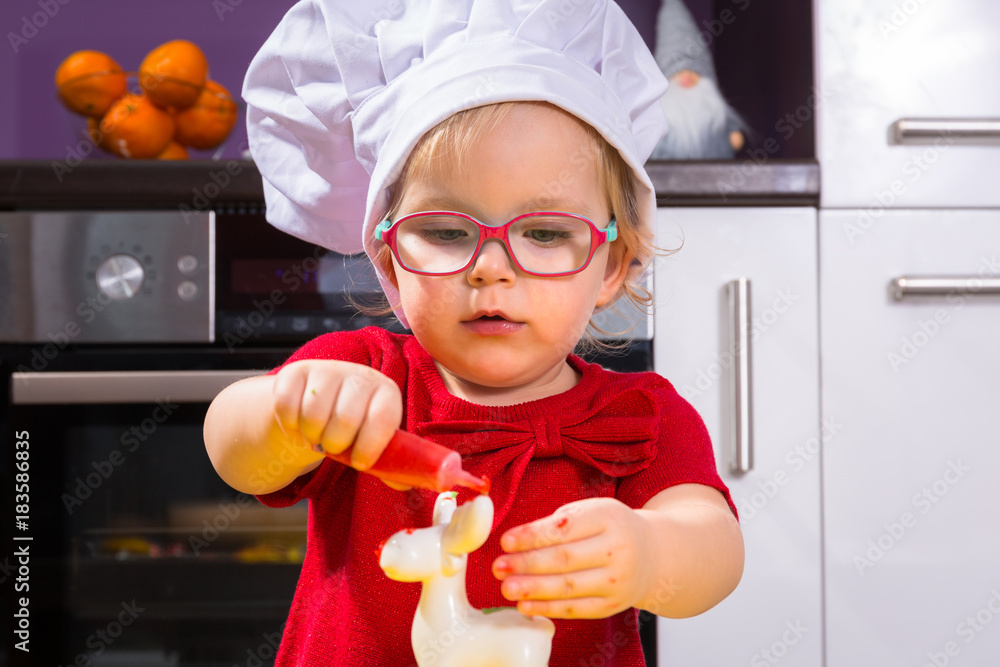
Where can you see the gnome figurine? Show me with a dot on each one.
(701, 124)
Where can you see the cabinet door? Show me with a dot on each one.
(880, 61)
(774, 614)
(911, 509)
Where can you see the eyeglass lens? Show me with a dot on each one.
(442, 243)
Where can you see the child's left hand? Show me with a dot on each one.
(587, 560)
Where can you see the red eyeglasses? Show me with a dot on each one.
(545, 243)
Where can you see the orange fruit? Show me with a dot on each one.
(134, 127)
(89, 82)
(173, 74)
(207, 123)
(96, 134)
(173, 151)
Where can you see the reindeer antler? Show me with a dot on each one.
(444, 508)
(470, 526)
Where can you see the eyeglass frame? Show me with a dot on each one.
(385, 232)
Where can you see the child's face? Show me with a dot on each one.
(494, 330)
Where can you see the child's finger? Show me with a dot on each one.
(289, 383)
(583, 554)
(576, 608)
(339, 433)
(568, 524)
(348, 414)
(385, 411)
(318, 398)
(596, 582)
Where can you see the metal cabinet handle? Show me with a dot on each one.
(121, 386)
(741, 401)
(922, 131)
(905, 286)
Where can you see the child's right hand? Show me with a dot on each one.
(338, 404)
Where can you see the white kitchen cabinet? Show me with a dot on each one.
(775, 613)
(882, 61)
(911, 507)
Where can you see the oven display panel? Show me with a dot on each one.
(329, 274)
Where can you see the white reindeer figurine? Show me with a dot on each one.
(447, 630)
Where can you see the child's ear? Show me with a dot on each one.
(619, 263)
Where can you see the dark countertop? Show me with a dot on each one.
(235, 185)
(732, 183)
(138, 184)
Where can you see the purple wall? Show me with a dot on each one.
(33, 124)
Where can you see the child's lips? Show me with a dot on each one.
(492, 325)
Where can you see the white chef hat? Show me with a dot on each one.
(343, 90)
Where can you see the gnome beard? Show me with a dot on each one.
(698, 123)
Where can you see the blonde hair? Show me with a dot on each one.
(451, 140)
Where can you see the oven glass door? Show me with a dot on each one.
(138, 553)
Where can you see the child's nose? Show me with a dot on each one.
(493, 263)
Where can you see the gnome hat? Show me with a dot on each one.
(678, 42)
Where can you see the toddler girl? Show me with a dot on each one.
(500, 145)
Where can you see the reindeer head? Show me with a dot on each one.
(424, 553)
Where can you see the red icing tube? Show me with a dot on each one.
(414, 461)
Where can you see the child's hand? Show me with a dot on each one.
(338, 404)
(587, 560)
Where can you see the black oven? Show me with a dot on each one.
(120, 544)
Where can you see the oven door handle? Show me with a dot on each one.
(122, 386)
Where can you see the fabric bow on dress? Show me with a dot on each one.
(617, 437)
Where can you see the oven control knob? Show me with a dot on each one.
(120, 277)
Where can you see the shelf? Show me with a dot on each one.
(169, 588)
(731, 183)
(149, 184)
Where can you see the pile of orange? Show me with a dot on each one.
(178, 106)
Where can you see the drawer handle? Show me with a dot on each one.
(922, 131)
(52, 388)
(741, 433)
(905, 286)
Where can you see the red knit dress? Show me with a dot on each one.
(624, 436)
